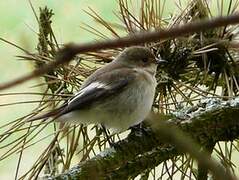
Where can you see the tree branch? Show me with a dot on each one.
(202, 171)
(213, 120)
(67, 53)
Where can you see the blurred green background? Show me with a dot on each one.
(18, 25)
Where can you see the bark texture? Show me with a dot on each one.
(210, 121)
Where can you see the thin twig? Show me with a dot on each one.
(70, 50)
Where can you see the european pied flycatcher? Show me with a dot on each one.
(118, 95)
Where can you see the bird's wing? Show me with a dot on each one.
(96, 89)
(105, 85)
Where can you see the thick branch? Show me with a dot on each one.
(212, 121)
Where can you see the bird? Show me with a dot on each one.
(118, 95)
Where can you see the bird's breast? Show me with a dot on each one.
(130, 107)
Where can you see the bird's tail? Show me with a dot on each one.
(54, 113)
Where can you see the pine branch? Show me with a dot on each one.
(211, 121)
(66, 54)
(202, 171)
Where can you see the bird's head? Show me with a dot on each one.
(138, 57)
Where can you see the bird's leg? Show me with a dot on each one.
(140, 129)
(106, 132)
(136, 127)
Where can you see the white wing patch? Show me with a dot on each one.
(86, 89)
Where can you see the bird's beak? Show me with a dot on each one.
(160, 61)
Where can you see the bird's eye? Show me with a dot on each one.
(144, 60)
